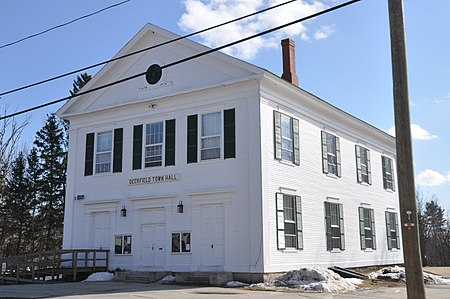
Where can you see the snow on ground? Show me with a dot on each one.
(236, 284)
(398, 273)
(168, 278)
(100, 276)
(311, 279)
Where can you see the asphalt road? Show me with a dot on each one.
(113, 289)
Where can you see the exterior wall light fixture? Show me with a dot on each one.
(180, 207)
(123, 212)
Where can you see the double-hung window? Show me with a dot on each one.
(286, 138)
(331, 154)
(103, 154)
(181, 242)
(158, 142)
(154, 140)
(388, 173)
(211, 136)
(393, 238)
(334, 224)
(367, 228)
(289, 221)
(363, 169)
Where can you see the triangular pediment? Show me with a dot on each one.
(202, 72)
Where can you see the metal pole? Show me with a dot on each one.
(406, 188)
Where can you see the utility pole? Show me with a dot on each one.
(406, 188)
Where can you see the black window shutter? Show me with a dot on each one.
(298, 203)
(118, 150)
(388, 231)
(362, 232)
(391, 162)
(338, 157)
(170, 142)
(383, 165)
(296, 131)
(281, 241)
(369, 168)
(328, 226)
(372, 222)
(277, 134)
(397, 232)
(229, 128)
(358, 163)
(89, 155)
(137, 147)
(324, 152)
(341, 226)
(192, 138)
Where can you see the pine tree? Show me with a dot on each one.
(18, 203)
(79, 82)
(50, 146)
(33, 170)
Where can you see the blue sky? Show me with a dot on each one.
(342, 57)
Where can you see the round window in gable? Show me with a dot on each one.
(153, 74)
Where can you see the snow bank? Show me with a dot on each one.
(312, 280)
(168, 278)
(398, 273)
(100, 276)
(236, 284)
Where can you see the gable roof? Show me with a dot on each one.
(190, 75)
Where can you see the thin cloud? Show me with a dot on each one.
(432, 178)
(324, 32)
(201, 14)
(417, 133)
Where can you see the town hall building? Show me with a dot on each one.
(217, 165)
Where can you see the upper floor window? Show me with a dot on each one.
(334, 224)
(211, 136)
(393, 238)
(363, 170)
(388, 173)
(159, 145)
(154, 133)
(217, 136)
(103, 152)
(331, 154)
(367, 228)
(289, 221)
(108, 152)
(286, 138)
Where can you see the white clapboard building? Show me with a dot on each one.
(217, 165)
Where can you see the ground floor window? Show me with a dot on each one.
(334, 223)
(393, 239)
(367, 228)
(289, 221)
(181, 242)
(122, 244)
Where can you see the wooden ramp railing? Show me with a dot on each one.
(53, 265)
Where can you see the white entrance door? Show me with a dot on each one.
(101, 230)
(213, 241)
(153, 242)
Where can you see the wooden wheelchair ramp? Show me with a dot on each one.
(54, 265)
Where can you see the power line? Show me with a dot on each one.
(185, 59)
(62, 25)
(142, 50)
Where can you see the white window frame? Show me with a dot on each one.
(97, 153)
(388, 174)
(332, 152)
(284, 137)
(123, 244)
(154, 145)
(202, 137)
(187, 246)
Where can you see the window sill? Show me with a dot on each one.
(286, 162)
(389, 190)
(365, 184)
(368, 250)
(335, 250)
(181, 253)
(125, 254)
(330, 175)
(290, 250)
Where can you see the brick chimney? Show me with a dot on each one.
(288, 48)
